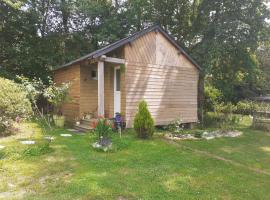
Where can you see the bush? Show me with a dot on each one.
(14, 104)
(175, 126)
(249, 107)
(57, 95)
(227, 109)
(212, 97)
(220, 120)
(143, 121)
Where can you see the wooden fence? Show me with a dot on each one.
(261, 120)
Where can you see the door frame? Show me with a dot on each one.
(114, 90)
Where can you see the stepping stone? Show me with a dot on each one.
(66, 135)
(2, 147)
(72, 130)
(79, 133)
(48, 137)
(28, 142)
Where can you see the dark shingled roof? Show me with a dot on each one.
(126, 40)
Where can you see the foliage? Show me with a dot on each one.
(212, 97)
(228, 108)
(175, 126)
(41, 148)
(103, 128)
(33, 87)
(246, 107)
(143, 121)
(13, 104)
(57, 95)
(221, 120)
(229, 39)
(249, 107)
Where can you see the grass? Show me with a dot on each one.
(139, 169)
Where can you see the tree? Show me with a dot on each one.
(228, 33)
(143, 121)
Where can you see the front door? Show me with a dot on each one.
(117, 91)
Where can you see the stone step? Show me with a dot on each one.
(88, 122)
(83, 127)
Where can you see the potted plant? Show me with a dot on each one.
(57, 96)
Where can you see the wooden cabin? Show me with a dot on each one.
(148, 65)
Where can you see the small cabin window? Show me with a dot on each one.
(94, 74)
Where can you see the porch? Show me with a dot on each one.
(101, 83)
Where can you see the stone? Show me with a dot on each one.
(105, 148)
(218, 134)
(180, 136)
(66, 135)
(49, 138)
(28, 142)
(96, 145)
(72, 130)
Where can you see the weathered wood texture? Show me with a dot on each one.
(163, 77)
(70, 74)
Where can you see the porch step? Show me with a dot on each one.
(83, 127)
(89, 122)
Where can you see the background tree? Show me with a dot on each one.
(227, 38)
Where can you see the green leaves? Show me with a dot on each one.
(13, 103)
(143, 121)
(57, 95)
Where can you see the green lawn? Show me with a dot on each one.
(152, 169)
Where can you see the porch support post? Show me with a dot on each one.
(101, 88)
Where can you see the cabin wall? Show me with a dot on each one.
(89, 90)
(70, 74)
(163, 77)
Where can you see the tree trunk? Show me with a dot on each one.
(201, 97)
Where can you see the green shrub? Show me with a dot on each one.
(13, 104)
(57, 95)
(246, 107)
(212, 97)
(227, 109)
(143, 121)
(175, 126)
(249, 107)
(220, 120)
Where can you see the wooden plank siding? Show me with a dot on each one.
(163, 77)
(89, 94)
(70, 74)
(88, 90)
(155, 71)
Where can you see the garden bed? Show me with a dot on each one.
(203, 135)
